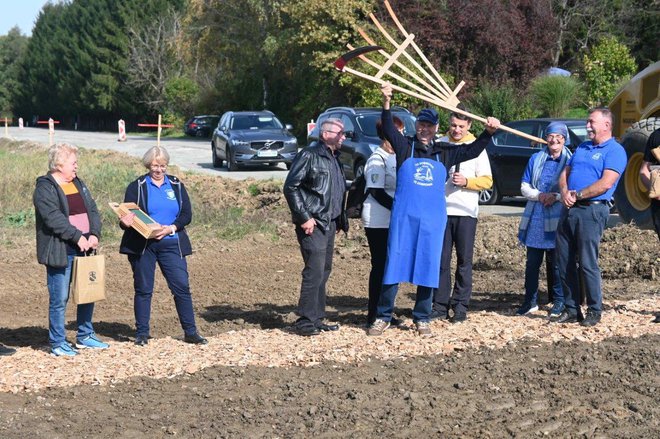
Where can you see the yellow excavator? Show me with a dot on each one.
(636, 110)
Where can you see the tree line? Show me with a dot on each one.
(90, 62)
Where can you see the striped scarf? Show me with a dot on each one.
(552, 213)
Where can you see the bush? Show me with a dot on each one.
(553, 96)
(505, 102)
(606, 68)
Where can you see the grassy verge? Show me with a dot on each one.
(221, 209)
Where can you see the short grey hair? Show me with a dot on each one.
(333, 121)
(155, 153)
(58, 153)
(605, 112)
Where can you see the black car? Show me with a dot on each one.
(201, 126)
(509, 154)
(361, 137)
(252, 137)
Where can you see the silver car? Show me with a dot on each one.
(252, 138)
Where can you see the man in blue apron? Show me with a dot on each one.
(419, 214)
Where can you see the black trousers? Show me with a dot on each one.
(459, 233)
(377, 239)
(655, 215)
(317, 250)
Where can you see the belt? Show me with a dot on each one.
(589, 202)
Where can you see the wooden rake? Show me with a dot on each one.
(427, 86)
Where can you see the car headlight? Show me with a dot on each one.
(236, 142)
(293, 142)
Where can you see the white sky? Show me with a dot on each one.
(21, 13)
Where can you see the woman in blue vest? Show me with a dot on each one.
(419, 214)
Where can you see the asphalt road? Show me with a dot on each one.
(188, 153)
(192, 154)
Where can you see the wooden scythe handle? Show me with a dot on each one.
(441, 104)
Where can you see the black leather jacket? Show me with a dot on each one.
(308, 188)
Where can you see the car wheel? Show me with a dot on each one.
(199, 133)
(231, 163)
(490, 196)
(214, 155)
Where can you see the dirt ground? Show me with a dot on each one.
(496, 375)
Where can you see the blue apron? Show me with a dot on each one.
(417, 224)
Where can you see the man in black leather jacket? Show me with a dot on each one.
(314, 190)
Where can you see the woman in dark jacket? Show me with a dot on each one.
(68, 224)
(165, 199)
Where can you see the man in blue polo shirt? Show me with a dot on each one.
(586, 185)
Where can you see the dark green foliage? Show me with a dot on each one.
(76, 64)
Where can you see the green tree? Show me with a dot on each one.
(605, 68)
(12, 48)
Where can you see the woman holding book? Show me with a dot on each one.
(164, 198)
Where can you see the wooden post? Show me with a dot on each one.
(6, 127)
(51, 129)
(159, 125)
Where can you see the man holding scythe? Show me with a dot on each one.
(419, 214)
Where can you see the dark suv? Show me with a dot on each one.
(509, 154)
(201, 126)
(252, 137)
(361, 138)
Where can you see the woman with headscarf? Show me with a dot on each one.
(538, 224)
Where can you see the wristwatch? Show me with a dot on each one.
(578, 194)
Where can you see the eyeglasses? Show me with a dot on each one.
(341, 133)
(554, 137)
(156, 167)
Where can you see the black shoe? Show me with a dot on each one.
(324, 327)
(592, 318)
(569, 317)
(5, 351)
(306, 330)
(459, 317)
(195, 339)
(657, 319)
(395, 322)
(141, 340)
(438, 315)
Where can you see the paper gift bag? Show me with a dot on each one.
(654, 190)
(88, 279)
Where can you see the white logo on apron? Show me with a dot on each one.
(423, 174)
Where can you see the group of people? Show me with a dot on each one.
(422, 202)
(68, 225)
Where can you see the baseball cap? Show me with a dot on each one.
(428, 115)
(558, 128)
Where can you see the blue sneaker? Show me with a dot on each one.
(63, 350)
(91, 342)
(526, 308)
(556, 310)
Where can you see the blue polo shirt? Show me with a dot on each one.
(590, 161)
(163, 206)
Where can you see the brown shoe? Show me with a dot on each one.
(378, 327)
(423, 329)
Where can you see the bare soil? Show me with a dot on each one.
(496, 375)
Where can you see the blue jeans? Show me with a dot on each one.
(175, 270)
(58, 280)
(578, 240)
(423, 303)
(532, 268)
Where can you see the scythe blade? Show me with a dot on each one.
(341, 62)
